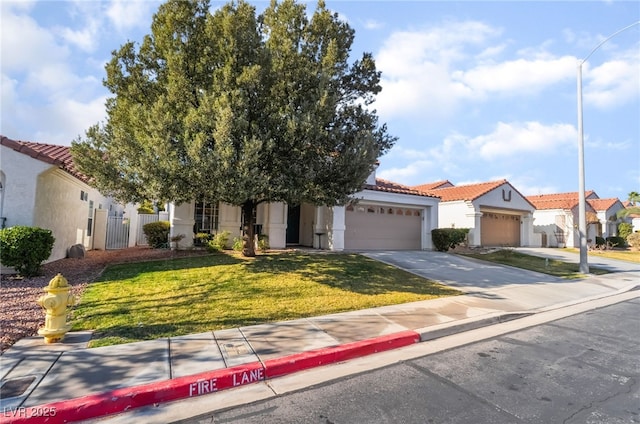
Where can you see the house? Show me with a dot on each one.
(556, 218)
(607, 213)
(384, 215)
(495, 212)
(41, 187)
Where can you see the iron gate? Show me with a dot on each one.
(117, 232)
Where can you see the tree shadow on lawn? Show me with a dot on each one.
(350, 272)
(132, 270)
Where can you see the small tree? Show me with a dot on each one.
(25, 248)
(624, 229)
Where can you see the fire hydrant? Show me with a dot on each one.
(55, 304)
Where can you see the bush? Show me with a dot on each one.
(238, 244)
(202, 239)
(157, 233)
(633, 240)
(219, 242)
(448, 238)
(600, 241)
(616, 241)
(263, 242)
(624, 229)
(25, 248)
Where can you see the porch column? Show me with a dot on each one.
(476, 229)
(526, 230)
(336, 241)
(276, 224)
(182, 221)
(319, 228)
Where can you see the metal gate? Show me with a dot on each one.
(144, 218)
(117, 232)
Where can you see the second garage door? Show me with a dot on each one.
(370, 227)
(499, 229)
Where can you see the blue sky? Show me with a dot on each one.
(475, 91)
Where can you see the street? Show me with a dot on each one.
(579, 369)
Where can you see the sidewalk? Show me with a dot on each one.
(77, 383)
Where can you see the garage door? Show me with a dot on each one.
(498, 229)
(370, 227)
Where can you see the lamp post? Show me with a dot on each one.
(582, 212)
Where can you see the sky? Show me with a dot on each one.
(475, 91)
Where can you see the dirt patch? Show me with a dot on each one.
(20, 315)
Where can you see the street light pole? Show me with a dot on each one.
(582, 208)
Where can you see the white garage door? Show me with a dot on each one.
(499, 229)
(370, 227)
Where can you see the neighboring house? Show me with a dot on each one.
(384, 215)
(607, 213)
(495, 212)
(41, 187)
(556, 218)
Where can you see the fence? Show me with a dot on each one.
(117, 232)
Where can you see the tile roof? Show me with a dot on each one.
(48, 153)
(557, 200)
(603, 204)
(433, 186)
(467, 192)
(391, 187)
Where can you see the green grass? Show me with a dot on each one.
(148, 300)
(534, 263)
(625, 255)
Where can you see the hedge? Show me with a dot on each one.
(157, 233)
(448, 238)
(25, 248)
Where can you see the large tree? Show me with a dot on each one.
(238, 108)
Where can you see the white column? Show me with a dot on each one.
(336, 239)
(182, 221)
(319, 228)
(476, 229)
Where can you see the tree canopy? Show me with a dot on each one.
(237, 107)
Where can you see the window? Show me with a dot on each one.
(206, 217)
(90, 220)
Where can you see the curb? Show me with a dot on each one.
(126, 399)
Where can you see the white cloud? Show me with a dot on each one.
(127, 14)
(26, 45)
(612, 83)
(372, 24)
(517, 76)
(510, 139)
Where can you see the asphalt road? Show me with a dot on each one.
(580, 369)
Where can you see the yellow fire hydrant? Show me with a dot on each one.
(55, 304)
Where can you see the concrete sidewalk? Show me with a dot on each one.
(77, 383)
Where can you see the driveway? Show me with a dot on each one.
(612, 265)
(466, 274)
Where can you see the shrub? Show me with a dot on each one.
(238, 244)
(202, 239)
(624, 229)
(448, 238)
(219, 242)
(599, 241)
(616, 241)
(263, 242)
(633, 240)
(157, 233)
(25, 248)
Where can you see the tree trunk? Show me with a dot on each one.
(248, 248)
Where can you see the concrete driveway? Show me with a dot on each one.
(466, 274)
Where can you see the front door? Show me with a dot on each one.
(293, 225)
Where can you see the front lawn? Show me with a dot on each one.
(148, 300)
(624, 255)
(534, 263)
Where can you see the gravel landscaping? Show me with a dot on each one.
(20, 315)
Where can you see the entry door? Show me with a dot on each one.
(293, 225)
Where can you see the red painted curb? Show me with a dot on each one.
(124, 399)
(314, 358)
(121, 400)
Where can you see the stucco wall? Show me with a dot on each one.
(60, 207)
(19, 186)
